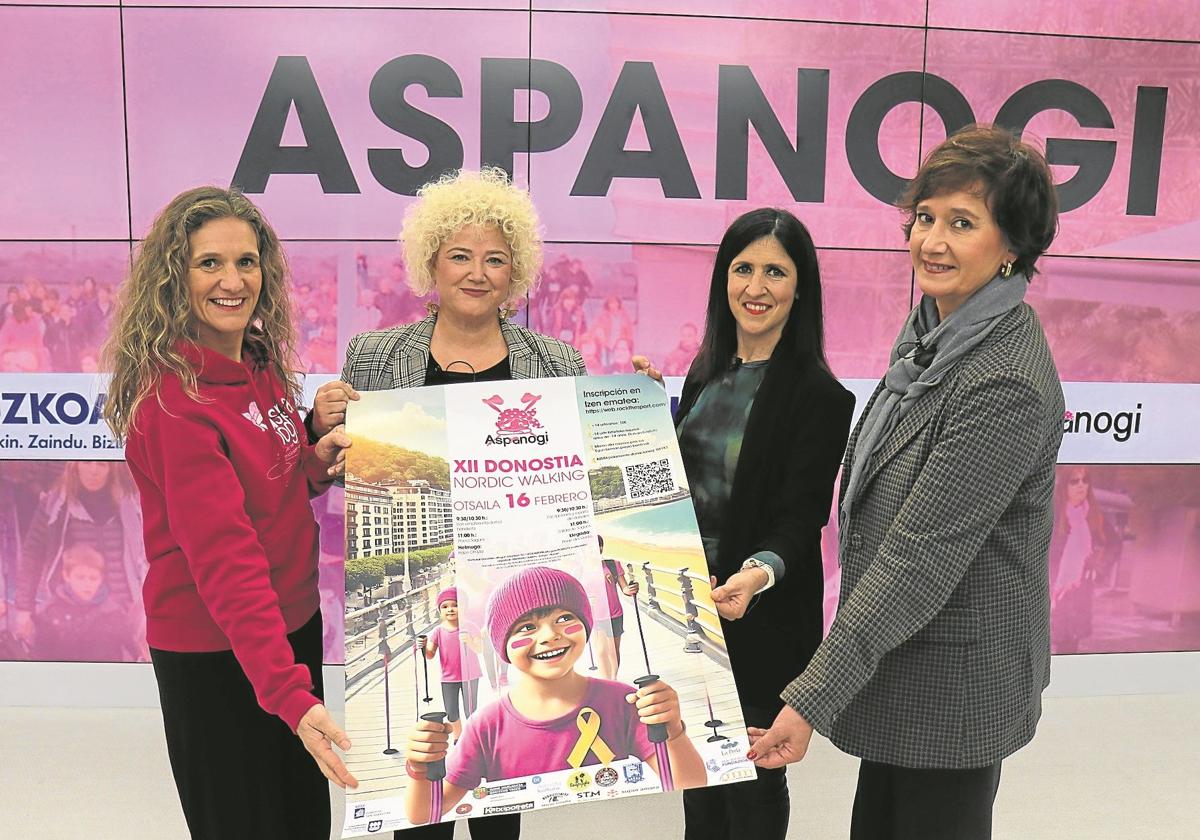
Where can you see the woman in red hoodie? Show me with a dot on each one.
(204, 393)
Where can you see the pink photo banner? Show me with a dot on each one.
(62, 160)
(633, 137)
(344, 67)
(894, 12)
(1160, 19)
(642, 127)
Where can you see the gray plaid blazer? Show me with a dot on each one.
(941, 648)
(398, 357)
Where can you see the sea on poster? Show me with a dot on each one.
(521, 557)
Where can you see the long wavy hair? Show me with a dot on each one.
(803, 332)
(154, 315)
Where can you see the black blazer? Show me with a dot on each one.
(780, 499)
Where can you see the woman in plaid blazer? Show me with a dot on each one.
(472, 237)
(933, 669)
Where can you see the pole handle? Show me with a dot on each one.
(657, 732)
(435, 771)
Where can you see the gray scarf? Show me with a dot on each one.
(925, 351)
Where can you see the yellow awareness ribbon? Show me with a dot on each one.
(588, 724)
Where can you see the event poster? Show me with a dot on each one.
(522, 556)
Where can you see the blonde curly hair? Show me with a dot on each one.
(463, 198)
(154, 313)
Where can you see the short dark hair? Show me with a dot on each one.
(1015, 182)
(803, 332)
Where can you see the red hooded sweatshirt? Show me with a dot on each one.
(230, 536)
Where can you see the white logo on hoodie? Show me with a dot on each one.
(255, 416)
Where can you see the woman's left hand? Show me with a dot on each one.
(784, 743)
(732, 598)
(317, 731)
(332, 450)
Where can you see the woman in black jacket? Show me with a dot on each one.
(762, 424)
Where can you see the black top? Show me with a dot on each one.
(781, 497)
(434, 375)
(710, 441)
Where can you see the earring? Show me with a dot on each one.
(1006, 269)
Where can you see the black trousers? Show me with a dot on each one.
(240, 772)
(496, 827)
(900, 803)
(757, 809)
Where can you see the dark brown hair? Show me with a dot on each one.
(1014, 181)
(803, 332)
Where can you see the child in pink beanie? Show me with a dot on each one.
(460, 665)
(553, 718)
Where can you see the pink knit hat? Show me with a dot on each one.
(450, 593)
(533, 588)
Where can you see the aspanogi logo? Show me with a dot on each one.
(516, 424)
(1123, 425)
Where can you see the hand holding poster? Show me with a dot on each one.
(505, 537)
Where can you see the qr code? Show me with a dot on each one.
(652, 478)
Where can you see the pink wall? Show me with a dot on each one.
(628, 270)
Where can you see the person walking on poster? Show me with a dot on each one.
(606, 638)
(456, 652)
(554, 718)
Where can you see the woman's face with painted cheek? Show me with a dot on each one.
(546, 644)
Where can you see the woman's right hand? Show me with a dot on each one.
(428, 741)
(641, 364)
(329, 406)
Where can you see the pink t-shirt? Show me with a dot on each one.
(458, 664)
(612, 573)
(501, 743)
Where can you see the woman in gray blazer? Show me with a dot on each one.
(933, 669)
(471, 238)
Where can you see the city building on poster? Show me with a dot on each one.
(568, 590)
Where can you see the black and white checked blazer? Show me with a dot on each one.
(941, 648)
(398, 357)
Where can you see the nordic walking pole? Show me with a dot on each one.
(425, 664)
(657, 732)
(386, 650)
(435, 772)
